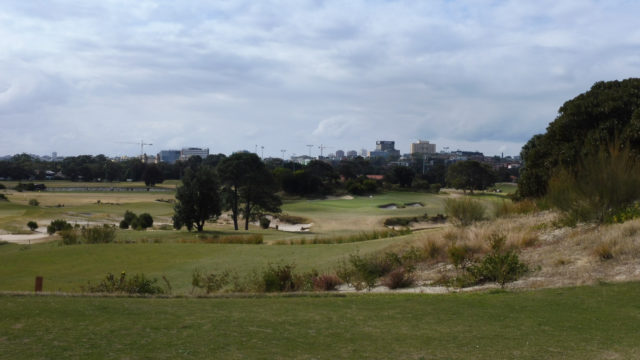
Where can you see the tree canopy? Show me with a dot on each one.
(248, 187)
(198, 199)
(470, 175)
(606, 114)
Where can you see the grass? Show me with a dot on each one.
(66, 268)
(596, 322)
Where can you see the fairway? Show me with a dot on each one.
(597, 322)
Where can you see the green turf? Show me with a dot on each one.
(599, 322)
(67, 268)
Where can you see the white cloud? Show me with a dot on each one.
(283, 74)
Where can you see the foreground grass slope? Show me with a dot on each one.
(597, 322)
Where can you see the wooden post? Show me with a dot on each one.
(38, 283)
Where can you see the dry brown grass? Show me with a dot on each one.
(559, 256)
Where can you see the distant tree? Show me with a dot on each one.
(470, 175)
(32, 225)
(401, 175)
(152, 175)
(248, 187)
(198, 199)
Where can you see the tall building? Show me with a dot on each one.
(352, 154)
(339, 154)
(423, 147)
(168, 156)
(385, 149)
(193, 151)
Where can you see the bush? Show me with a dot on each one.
(2, 187)
(3, 197)
(69, 236)
(405, 221)
(367, 270)
(464, 211)
(129, 216)
(34, 202)
(145, 220)
(123, 224)
(435, 188)
(138, 284)
(291, 219)
(500, 265)
(232, 239)
(58, 225)
(460, 256)
(99, 234)
(32, 225)
(278, 278)
(265, 222)
(209, 282)
(600, 186)
(326, 282)
(399, 278)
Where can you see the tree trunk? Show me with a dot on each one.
(234, 208)
(247, 215)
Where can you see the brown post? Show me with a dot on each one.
(38, 283)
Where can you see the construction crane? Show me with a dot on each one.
(322, 147)
(141, 143)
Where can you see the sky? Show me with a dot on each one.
(97, 77)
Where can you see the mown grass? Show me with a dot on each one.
(66, 268)
(596, 322)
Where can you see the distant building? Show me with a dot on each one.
(302, 159)
(168, 156)
(352, 154)
(385, 149)
(339, 154)
(186, 153)
(423, 147)
(54, 156)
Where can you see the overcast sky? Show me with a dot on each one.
(86, 77)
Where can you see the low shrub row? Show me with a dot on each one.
(362, 236)
(408, 220)
(138, 284)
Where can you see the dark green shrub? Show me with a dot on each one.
(279, 278)
(265, 222)
(99, 234)
(435, 188)
(464, 211)
(2, 187)
(58, 225)
(145, 220)
(138, 284)
(123, 224)
(25, 187)
(3, 197)
(129, 216)
(32, 225)
(34, 202)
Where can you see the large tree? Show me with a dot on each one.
(609, 113)
(470, 175)
(248, 187)
(198, 199)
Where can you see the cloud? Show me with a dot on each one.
(284, 73)
(337, 127)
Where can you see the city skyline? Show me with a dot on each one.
(487, 76)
